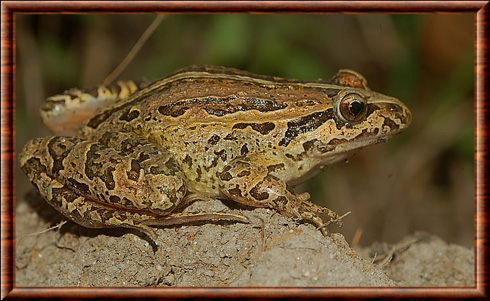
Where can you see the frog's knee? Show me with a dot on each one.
(165, 195)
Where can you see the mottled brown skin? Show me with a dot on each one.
(206, 132)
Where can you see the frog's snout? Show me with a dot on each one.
(401, 112)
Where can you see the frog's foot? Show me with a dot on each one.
(313, 217)
(253, 185)
(322, 211)
(64, 113)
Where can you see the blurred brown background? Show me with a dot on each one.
(421, 180)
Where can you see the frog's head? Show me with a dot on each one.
(358, 117)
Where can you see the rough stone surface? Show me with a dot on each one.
(271, 250)
(425, 260)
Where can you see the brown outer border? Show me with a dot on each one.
(9, 8)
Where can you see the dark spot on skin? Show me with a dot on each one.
(175, 197)
(108, 178)
(243, 173)
(59, 148)
(275, 167)
(107, 138)
(221, 154)
(332, 144)
(143, 157)
(308, 145)
(257, 193)
(79, 187)
(244, 150)
(336, 141)
(281, 200)
(134, 172)
(128, 145)
(187, 160)
(99, 118)
(214, 139)
(214, 163)
(157, 170)
(169, 110)
(125, 202)
(306, 124)
(93, 169)
(225, 176)
(129, 115)
(326, 148)
(240, 125)
(305, 102)
(199, 173)
(172, 167)
(392, 125)
(231, 137)
(115, 199)
(235, 193)
(263, 128)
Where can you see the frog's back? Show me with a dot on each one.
(205, 94)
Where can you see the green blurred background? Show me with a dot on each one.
(421, 180)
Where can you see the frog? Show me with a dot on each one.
(134, 154)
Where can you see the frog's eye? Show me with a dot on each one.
(352, 107)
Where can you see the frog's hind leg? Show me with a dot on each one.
(92, 214)
(139, 178)
(83, 211)
(99, 186)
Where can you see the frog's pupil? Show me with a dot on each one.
(355, 108)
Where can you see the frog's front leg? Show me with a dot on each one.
(249, 181)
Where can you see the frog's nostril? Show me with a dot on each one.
(395, 108)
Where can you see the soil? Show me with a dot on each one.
(270, 250)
